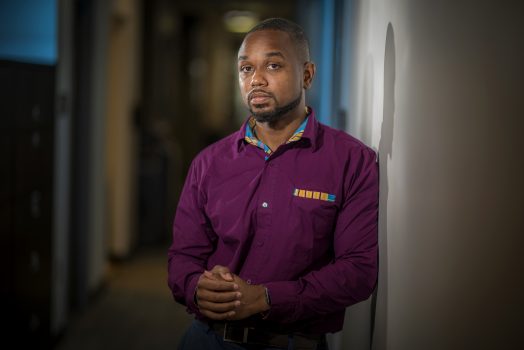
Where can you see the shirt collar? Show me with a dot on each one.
(309, 130)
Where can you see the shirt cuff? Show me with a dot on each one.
(284, 301)
(192, 307)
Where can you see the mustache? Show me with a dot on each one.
(258, 93)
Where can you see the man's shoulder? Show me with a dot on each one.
(218, 149)
(343, 142)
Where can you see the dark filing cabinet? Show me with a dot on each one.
(26, 198)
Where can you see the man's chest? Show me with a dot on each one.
(295, 195)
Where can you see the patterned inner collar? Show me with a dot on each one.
(252, 138)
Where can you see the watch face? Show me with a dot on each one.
(268, 298)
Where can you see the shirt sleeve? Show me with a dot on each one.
(352, 274)
(193, 241)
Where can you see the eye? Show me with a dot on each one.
(273, 66)
(246, 69)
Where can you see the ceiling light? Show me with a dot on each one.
(240, 21)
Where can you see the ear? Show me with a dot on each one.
(309, 73)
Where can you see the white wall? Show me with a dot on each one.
(436, 87)
(123, 92)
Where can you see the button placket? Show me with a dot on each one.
(264, 213)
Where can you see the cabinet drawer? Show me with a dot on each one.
(6, 257)
(33, 268)
(35, 93)
(33, 214)
(32, 287)
(6, 165)
(7, 99)
(34, 155)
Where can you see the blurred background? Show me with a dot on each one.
(103, 105)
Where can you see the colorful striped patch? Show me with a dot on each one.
(323, 196)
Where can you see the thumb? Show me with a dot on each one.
(223, 272)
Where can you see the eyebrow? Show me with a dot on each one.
(269, 54)
(275, 53)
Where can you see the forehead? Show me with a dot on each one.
(262, 42)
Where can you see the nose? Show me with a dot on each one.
(258, 78)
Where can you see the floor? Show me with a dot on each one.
(135, 311)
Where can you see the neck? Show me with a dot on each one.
(279, 132)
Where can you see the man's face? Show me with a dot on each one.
(271, 76)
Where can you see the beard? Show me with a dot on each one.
(276, 114)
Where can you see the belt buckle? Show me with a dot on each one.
(233, 334)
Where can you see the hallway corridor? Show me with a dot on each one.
(135, 310)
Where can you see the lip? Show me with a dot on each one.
(257, 96)
(259, 99)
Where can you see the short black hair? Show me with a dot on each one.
(291, 28)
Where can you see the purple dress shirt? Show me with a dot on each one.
(303, 223)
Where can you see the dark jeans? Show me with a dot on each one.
(200, 337)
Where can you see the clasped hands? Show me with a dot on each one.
(222, 295)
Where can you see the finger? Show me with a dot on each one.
(223, 272)
(210, 275)
(218, 276)
(220, 297)
(218, 307)
(215, 285)
(227, 276)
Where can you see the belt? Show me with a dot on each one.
(237, 333)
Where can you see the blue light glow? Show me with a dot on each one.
(28, 31)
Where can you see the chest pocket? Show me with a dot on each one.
(314, 213)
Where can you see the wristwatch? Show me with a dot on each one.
(268, 298)
(265, 314)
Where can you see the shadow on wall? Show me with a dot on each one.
(367, 100)
(380, 299)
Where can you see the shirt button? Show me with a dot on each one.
(260, 243)
(265, 205)
(248, 281)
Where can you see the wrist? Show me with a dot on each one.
(259, 304)
(264, 302)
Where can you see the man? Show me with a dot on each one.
(275, 232)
